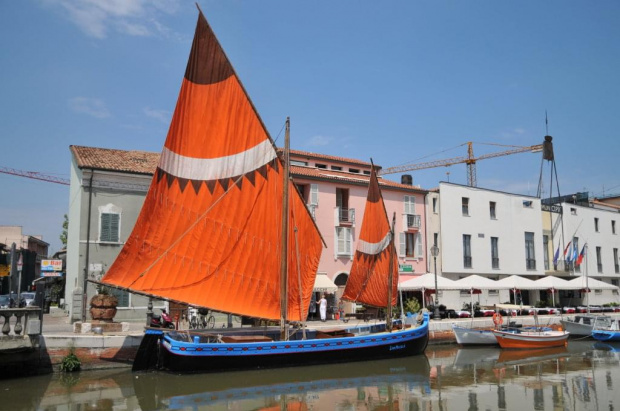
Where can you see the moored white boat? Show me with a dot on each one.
(581, 324)
(474, 336)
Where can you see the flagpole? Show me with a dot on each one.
(587, 288)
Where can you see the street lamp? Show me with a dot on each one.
(435, 253)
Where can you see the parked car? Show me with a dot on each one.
(6, 301)
(26, 299)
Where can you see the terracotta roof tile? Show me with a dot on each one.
(141, 162)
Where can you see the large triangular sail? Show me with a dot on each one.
(375, 256)
(209, 230)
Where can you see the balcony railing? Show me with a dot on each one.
(413, 221)
(346, 215)
(530, 264)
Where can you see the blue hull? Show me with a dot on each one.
(188, 352)
(606, 335)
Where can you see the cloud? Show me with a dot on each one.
(318, 141)
(130, 17)
(92, 106)
(162, 115)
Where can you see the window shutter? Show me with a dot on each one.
(401, 244)
(349, 237)
(104, 235)
(109, 227)
(314, 194)
(418, 240)
(114, 226)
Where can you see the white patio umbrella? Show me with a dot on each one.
(427, 282)
(474, 283)
(554, 283)
(581, 283)
(516, 282)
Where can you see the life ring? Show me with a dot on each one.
(497, 319)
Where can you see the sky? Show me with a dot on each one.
(401, 82)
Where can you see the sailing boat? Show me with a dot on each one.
(223, 227)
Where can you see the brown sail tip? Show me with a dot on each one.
(207, 62)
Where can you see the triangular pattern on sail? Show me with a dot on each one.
(375, 252)
(216, 241)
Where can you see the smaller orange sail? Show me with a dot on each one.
(375, 256)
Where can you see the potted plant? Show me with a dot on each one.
(103, 305)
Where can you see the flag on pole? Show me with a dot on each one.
(581, 255)
(556, 256)
(575, 251)
(567, 255)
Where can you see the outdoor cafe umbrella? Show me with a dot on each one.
(426, 284)
(515, 283)
(475, 284)
(553, 284)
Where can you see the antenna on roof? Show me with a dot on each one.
(546, 124)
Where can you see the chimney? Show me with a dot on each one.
(406, 179)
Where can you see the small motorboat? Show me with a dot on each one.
(606, 329)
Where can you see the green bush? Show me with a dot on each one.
(70, 362)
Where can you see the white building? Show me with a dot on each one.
(489, 233)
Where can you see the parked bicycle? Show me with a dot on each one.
(200, 318)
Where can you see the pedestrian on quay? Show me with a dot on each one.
(323, 308)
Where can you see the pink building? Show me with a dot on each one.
(335, 190)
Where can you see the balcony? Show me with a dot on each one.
(413, 221)
(346, 216)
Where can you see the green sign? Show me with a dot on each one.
(406, 268)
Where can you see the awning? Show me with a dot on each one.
(323, 284)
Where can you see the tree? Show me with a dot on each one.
(63, 235)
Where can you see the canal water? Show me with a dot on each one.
(583, 376)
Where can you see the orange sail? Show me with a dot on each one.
(209, 231)
(375, 256)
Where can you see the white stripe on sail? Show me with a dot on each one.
(374, 248)
(217, 168)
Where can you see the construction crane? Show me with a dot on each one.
(35, 175)
(470, 160)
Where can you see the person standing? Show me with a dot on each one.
(323, 307)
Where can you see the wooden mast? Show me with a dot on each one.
(388, 311)
(284, 240)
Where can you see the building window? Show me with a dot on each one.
(299, 163)
(527, 203)
(616, 266)
(530, 257)
(343, 236)
(336, 168)
(317, 165)
(109, 230)
(596, 224)
(467, 263)
(465, 206)
(121, 295)
(435, 205)
(413, 220)
(342, 203)
(436, 240)
(546, 251)
(494, 253)
(492, 210)
(354, 170)
(367, 172)
(599, 261)
(411, 245)
(613, 226)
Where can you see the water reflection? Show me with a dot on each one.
(584, 376)
(340, 386)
